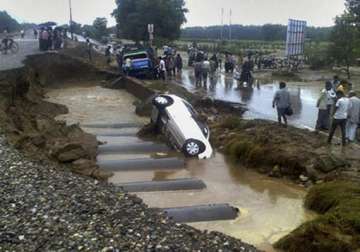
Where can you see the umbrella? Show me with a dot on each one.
(47, 24)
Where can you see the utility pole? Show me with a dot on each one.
(71, 21)
(222, 24)
(230, 23)
(151, 34)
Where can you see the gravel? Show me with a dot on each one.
(45, 209)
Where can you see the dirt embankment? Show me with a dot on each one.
(337, 228)
(28, 120)
(297, 154)
(294, 153)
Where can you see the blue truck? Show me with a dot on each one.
(142, 64)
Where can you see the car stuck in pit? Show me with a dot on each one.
(182, 126)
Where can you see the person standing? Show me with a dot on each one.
(44, 40)
(178, 63)
(325, 104)
(35, 33)
(340, 117)
(335, 82)
(282, 103)
(5, 40)
(198, 73)
(128, 65)
(170, 66)
(162, 69)
(353, 117)
(50, 40)
(108, 54)
(205, 70)
(89, 49)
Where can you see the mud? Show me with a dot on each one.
(29, 121)
(337, 228)
(297, 154)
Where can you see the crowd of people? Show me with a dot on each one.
(49, 38)
(336, 110)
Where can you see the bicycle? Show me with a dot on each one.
(9, 46)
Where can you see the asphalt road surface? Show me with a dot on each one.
(27, 47)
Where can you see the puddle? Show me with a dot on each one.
(259, 97)
(269, 208)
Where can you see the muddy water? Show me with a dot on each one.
(269, 208)
(91, 104)
(259, 97)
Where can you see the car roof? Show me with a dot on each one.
(135, 53)
(183, 118)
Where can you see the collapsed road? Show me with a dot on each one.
(45, 206)
(263, 202)
(109, 115)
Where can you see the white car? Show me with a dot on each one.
(180, 123)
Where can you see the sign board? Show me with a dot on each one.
(295, 39)
(150, 28)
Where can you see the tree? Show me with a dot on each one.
(270, 31)
(344, 37)
(100, 27)
(75, 27)
(133, 16)
(7, 22)
(353, 8)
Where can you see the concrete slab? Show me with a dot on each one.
(142, 164)
(111, 125)
(202, 213)
(165, 185)
(145, 147)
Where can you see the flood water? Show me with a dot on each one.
(269, 208)
(259, 97)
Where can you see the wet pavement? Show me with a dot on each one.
(27, 46)
(269, 208)
(259, 97)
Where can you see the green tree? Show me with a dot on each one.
(272, 32)
(133, 16)
(345, 42)
(100, 27)
(353, 8)
(7, 22)
(76, 27)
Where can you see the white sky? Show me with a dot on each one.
(202, 12)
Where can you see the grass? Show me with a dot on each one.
(338, 227)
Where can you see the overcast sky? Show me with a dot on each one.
(201, 12)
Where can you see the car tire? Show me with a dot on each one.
(193, 147)
(162, 101)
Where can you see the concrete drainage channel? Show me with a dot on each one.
(120, 138)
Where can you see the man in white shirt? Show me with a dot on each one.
(325, 104)
(162, 68)
(353, 117)
(340, 117)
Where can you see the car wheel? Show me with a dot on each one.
(192, 148)
(162, 101)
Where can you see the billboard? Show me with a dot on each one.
(295, 39)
